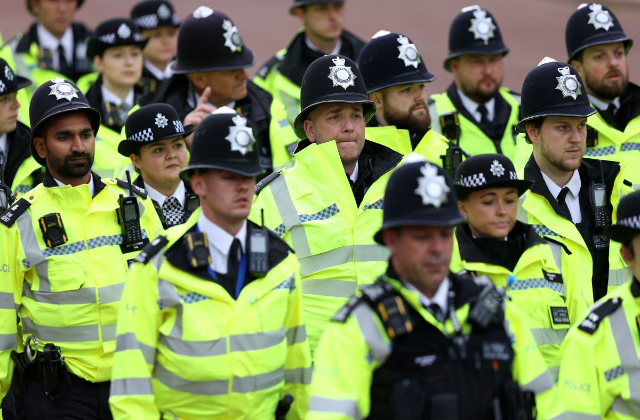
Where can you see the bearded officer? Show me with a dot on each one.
(329, 204)
(73, 235)
(213, 320)
(416, 347)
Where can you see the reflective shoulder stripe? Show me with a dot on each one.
(556, 249)
(540, 384)
(290, 216)
(332, 405)
(626, 352)
(266, 181)
(129, 341)
(380, 349)
(620, 276)
(435, 118)
(523, 215)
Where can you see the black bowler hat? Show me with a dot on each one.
(224, 140)
(489, 170)
(474, 32)
(331, 79)
(151, 123)
(9, 81)
(28, 3)
(391, 59)
(114, 33)
(209, 41)
(298, 3)
(553, 88)
(419, 194)
(55, 97)
(593, 24)
(627, 220)
(152, 14)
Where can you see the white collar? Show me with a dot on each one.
(48, 41)
(472, 106)
(180, 193)
(220, 238)
(602, 105)
(3, 145)
(108, 96)
(336, 49)
(157, 73)
(574, 184)
(91, 186)
(354, 175)
(440, 298)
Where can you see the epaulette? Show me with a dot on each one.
(266, 180)
(592, 321)
(269, 65)
(151, 249)
(345, 311)
(125, 185)
(371, 294)
(10, 215)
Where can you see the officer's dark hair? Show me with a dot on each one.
(537, 123)
(628, 243)
(578, 57)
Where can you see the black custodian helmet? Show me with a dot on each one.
(115, 33)
(331, 79)
(298, 3)
(593, 24)
(152, 14)
(224, 140)
(490, 170)
(9, 81)
(474, 32)
(209, 41)
(391, 59)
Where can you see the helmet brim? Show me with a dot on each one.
(521, 185)
(242, 168)
(620, 233)
(405, 79)
(242, 61)
(601, 39)
(299, 3)
(496, 49)
(369, 109)
(436, 219)
(575, 110)
(127, 146)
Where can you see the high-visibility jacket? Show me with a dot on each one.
(8, 314)
(70, 293)
(187, 349)
(432, 145)
(357, 343)
(472, 139)
(536, 210)
(311, 206)
(538, 290)
(600, 370)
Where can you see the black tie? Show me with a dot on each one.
(612, 109)
(233, 259)
(562, 201)
(435, 310)
(483, 114)
(64, 66)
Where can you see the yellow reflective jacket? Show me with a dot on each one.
(432, 146)
(538, 288)
(311, 206)
(107, 160)
(351, 351)
(69, 294)
(8, 314)
(187, 349)
(600, 371)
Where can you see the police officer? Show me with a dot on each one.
(487, 113)
(214, 310)
(71, 261)
(510, 253)
(322, 33)
(328, 205)
(8, 326)
(210, 72)
(155, 145)
(396, 84)
(158, 22)
(599, 370)
(597, 47)
(416, 347)
(572, 199)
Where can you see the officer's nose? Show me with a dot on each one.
(15, 104)
(502, 208)
(76, 144)
(242, 74)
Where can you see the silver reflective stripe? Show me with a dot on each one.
(332, 405)
(335, 257)
(379, 348)
(540, 384)
(554, 372)
(628, 357)
(298, 376)
(82, 296)
(544, 336)
(128, 341)
(333, 288)
(296, 335)
(619, 277)
(109, 332)
(110, 294)
(8, 341)
(175, 382)
(194, 348)
(75, 334)
(290, 216)
(6, 300)
(34, 255)
(168, 294)
(259, 382)
(363, 253)
(131, 386)
(556, 249)
(572, 415)
(628, 408)
(256, 341)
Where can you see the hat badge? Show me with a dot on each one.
(240, 136)
(600, 19)
(568, 83)
(432, 188)
(380, 33)
(124, 31)
(164, 12)
(202, 12)
(408, 52)
(63, 89)
(497, 169)
(340, 74)
(232, 38)
(8, 74)
(161, 120)
(3, 87)
(482, 26)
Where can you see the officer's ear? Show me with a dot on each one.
(463, 209)
(627, 254)
(533, 133)
(578, 66)
(34, 5)
(38, 143)
(453, 63)
(97, 62)
(197, 184)
(376, 98)
(135, 159)
(309, 130)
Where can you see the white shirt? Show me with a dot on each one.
(220, 242)
(3, 145)
(91, 186)
(354, 175)
(602, 105)
(108, 96)
(336, 49)
(440, 298)
(472, 106)
(158, 197)
(48, 41)
(157, 73)
(572, 199)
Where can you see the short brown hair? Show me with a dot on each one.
(537, 123)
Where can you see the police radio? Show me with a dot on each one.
(129, 219)
(451, 130)
(599, 204)
(258, 246)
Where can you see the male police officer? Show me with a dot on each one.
(329, 204)
(414, 347)
(487, 112)
(73, 235)
(210, 72)
(599, 374)
(395, 76)
(214, 309)
(322, 33)
(597, 47)
(572, 199)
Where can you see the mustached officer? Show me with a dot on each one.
(214, 309)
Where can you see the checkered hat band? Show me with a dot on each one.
(144, 135)
(178, 126)
(108, 38)
(147, 21)
(630, 222)
(513, 176)
(475, 180)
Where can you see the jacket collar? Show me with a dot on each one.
(98, 185)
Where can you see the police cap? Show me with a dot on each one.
(9, 81)
(484, 171)
(115, 33)
(152, 14)
(628, 219)
(298, 3)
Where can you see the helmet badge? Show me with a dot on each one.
(164, 12)
(340, 74)
(497, 169)
(8, 73)
(568, 83)
(482, 26)
(63, 89)
(432, 187)
(232, 38)
(408, 52)
(202, 12)
(161, 120)
(600, 19)
(240, 136)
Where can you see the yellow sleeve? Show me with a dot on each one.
(272, 218)
(281, 135)
(150, 220)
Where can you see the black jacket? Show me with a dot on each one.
(18, 142)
